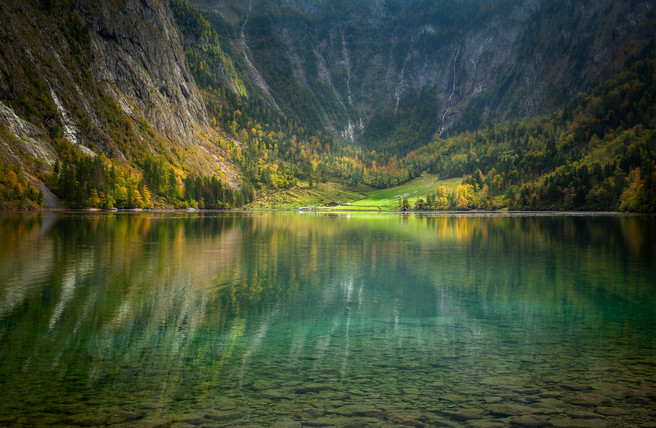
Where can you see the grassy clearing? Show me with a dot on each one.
(304, 196)
(389, 199)
(359, 199)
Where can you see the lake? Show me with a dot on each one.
(361, 319)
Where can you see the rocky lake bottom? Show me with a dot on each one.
(288, 321)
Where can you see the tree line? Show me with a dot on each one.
(598, 153)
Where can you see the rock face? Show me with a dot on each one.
(140, 62)
(108, 77)
(399, 72)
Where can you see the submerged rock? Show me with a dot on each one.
(612, 411)
(585, 415)
(530, 421)
(260, 385)
(577, 423)
(313, 387)
(287, 424)
(466, 414)
(507, 382)
(221, 416)
(224, 403)
(510, 409)
(590, 400)
(358, 410)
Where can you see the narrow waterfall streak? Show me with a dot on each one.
(347, 65)
(400, 87)
(449, 101)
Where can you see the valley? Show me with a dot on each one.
(278, 104)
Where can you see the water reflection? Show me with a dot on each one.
(112, 318)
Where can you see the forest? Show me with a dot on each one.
(598, 153)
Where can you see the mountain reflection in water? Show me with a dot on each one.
(258, 318)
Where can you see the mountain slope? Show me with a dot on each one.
(109, 78)
(135, 103)
(391, 74)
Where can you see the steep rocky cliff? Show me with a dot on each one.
(108, 77)
(394, 73)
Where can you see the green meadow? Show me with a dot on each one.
(364, 198)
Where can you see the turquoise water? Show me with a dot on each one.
(289, 320)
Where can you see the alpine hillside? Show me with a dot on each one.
(530, 104)
(390, 74)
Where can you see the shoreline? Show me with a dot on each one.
(473, 213)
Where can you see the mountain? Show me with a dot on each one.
(204, 103)
(109, 78)
(390, 74)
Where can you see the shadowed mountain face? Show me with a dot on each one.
(108, 77)
(391, 74)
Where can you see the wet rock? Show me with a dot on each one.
(590, 400)
(67, 409)
(577, 423)
(530, 421)
(585, 415)
(152, 423)
(313, 412)
(260, 385)
(328, 421)
(454, 398)
(470, 391)
(193, 419)
(275, 394)
(549, 403)
(120, 416)
(243, 423)
(551, 394)
(287, 424)
(486, 424)
(284, 409)
(508, 382)
(466, 414)
(439, 422)
(358, 410)
(224, 403)
(577, 387)
(405, 421)
(610, 389)
(221, 416)
(313, 387)
(640, 401)
(645, 392)
(611, 411)
(509, 409)
(85, 420)
(525, 390)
